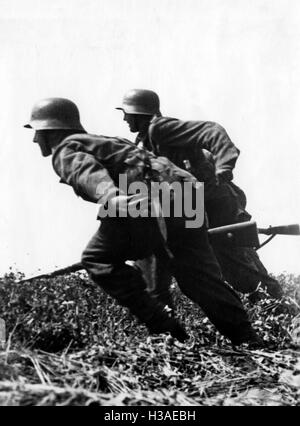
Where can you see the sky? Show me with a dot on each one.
(229, 61)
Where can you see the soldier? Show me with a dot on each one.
(205, 149)
(92, 166)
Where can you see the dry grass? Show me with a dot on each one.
(72, 345)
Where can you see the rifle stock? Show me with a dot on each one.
(242, 234)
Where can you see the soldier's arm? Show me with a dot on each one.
(81, 170)
(168, 133)
(215, 139)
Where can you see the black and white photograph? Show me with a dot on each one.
(150, 205)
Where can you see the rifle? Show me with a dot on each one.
(280, 230)
(59, 272)
(244, 234)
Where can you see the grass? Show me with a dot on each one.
(70, 344)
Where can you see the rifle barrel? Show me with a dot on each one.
(280, 230)
(73, 268)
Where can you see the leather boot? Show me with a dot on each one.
(126, 285)
(157, 317)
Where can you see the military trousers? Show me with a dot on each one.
(193, 264)
(241, 266)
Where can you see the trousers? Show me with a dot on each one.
(241, 266)
(193, 265)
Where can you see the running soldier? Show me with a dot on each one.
(92, 166)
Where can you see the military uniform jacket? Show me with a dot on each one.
(185, 140)
(92, 165)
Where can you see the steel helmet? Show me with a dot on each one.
(53, 114)
(140, 101)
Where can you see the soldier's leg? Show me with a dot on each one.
(243, 269)
(233, 271)
(241, 266)
(271, 285)
(199, 277)
(158, 278)
(104, 259)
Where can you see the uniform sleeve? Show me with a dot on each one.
(81, 170)
(225, 153)
(168, 133)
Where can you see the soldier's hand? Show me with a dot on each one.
(129, 205)
(118, 204)
(224, 176)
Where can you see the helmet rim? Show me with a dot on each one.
(54, 114)
(140, 101)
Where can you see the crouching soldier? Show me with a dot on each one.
(205, 149)
(92, 165)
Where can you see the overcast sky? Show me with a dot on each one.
(232, 61)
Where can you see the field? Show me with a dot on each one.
(70, 344)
